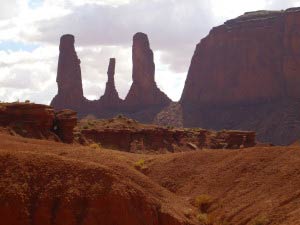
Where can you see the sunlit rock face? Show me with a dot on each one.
(246, 75)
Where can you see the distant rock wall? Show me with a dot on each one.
(246, 75)
(131, 136)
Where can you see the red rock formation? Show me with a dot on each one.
(69, 82)
(28, 120)
(64, 123)
(144, 91)
(240, 61)
(38, 121)
(125, 134)
(143, 101)
(111, 96)
(245, 72)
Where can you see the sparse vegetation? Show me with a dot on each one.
(202, 218)
(261, 220)
(203, 203)
(91, 123)
(121, 116)
(140, 165)
(95, 146)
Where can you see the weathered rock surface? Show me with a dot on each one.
(26, 119)
(249, 64)
(143, 101)
(65, 121)
(125, 134)
(38, 121)
(69, 81)
(43, 182)
(144, 91)
(111, 96)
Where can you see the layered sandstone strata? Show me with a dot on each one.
(38, 121)
(245, 75)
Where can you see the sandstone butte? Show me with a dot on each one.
(243, 76)
(246, 75)
(143, 101)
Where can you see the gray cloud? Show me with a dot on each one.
(8, 8)
(280, 4)
(174, 28)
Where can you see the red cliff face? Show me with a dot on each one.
(144, 91)
(38, 121)
(246, 75)
(251, 59)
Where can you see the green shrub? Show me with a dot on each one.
(205, 219)
(95, 146)
(203, 203)
(261, 220)
(140, 165)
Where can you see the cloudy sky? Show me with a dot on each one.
(30, 32)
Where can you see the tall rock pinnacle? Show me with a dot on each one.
(111, 95)
(70, 92)
(144, 91)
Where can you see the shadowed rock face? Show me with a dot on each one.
(251, 59)
(111, 96)
(69, 82)
(245, 75)
(144, 91)
(144, 99)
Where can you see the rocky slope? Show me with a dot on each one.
(245, 75)
(251, 186)
(49, 183)
(44, 182)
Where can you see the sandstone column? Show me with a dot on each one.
(111, 95)
(70, 92)
(144, 91)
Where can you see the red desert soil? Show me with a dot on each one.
(244, 184)
(44, 182)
